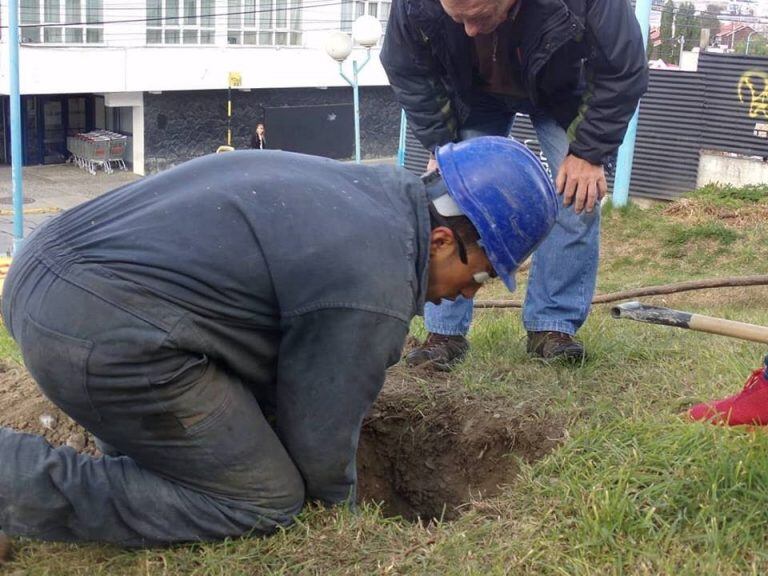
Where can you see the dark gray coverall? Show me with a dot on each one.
(224, 326)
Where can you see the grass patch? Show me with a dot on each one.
(635, 493)
(680, 235)
(731, 196)
(9, 350)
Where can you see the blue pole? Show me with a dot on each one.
(401, 144)
(16, 159)
(357, 111)
(627, 149)
(355, 71)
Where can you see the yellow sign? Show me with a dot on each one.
(753, 87)
(235, 80)
(5, 263)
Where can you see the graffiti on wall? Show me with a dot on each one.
(753, 88)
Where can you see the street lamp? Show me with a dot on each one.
(366, 31)
(746, 51)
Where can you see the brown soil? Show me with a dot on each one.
(426, 449)
(426, 452)
(24, 408)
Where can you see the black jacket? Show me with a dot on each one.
(258, 143)
(582, 60)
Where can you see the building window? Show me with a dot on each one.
(351, 10)
(62, 21)
(264, 22)
(180, 21)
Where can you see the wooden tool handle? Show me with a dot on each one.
(668, 317)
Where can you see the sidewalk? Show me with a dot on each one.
(49, 190)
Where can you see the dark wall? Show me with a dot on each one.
(325, 130)
(179, 126)
(736, 103)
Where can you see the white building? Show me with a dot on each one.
(97, 63)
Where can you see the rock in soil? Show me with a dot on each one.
(77, 441)
(24, 408)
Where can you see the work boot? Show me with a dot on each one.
(552, 345)
(6, 550)
(439, 352)
(750, 406)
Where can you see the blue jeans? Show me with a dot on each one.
(564, 267)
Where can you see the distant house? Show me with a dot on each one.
(731, 33)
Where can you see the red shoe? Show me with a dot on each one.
(750, 406)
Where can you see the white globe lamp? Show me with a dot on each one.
(366, 31)
(338, 46)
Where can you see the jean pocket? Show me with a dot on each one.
(190, 396)
(59, 364)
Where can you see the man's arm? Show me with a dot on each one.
(331, 367)
(414, 78)
(617, 76)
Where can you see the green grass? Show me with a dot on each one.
(9, 351)
(680, 235)
(726, 195)
(635, 489)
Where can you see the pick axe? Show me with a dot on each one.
(668, 317)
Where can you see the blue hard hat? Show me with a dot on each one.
(503, 189)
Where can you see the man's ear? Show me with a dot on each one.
(442, 242)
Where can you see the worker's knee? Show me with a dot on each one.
(289, 502)
(265, 512)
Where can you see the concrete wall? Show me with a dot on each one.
(718, 167)
(179, 126)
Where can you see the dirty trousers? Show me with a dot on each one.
(198, 461)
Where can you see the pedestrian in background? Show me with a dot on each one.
(258, 139)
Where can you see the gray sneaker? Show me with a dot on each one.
(555, 345)
(439, 352)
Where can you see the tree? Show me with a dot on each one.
(758, 46)
(709, 20)
(666, 49)
(688, 25)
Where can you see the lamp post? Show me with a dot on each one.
(366, 31)
(746, 50)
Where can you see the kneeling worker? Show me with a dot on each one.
(223, 327)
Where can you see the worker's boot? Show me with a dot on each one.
(552, 345)
(750, 406)
(439, 352)
(6, 550)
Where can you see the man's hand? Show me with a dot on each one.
(432, 163)
(581, 183)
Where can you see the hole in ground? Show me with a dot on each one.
(428, 454)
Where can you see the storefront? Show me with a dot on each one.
(46, 123)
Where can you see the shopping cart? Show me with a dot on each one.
(98, 149)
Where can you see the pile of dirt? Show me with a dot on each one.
(24, 408)
(426, 452)
(426, 449)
